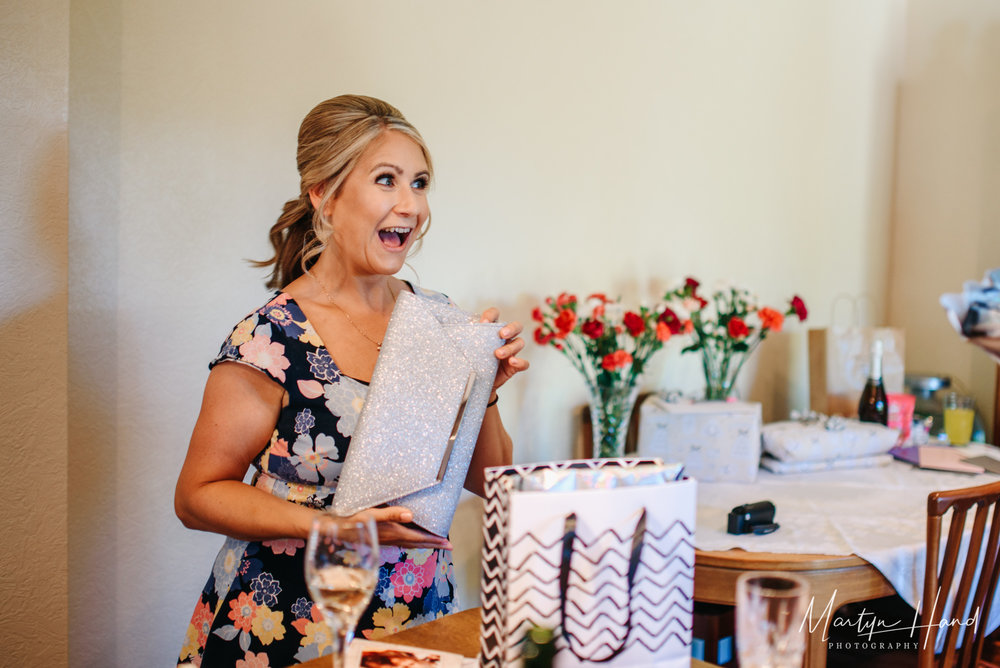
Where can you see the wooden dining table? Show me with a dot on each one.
(457, 633)
(834, 580)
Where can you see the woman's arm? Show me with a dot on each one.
(494, 447)
(238, 413)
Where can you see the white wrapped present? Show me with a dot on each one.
(717, 441)
(818, 441)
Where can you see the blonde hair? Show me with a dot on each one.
(332, 138)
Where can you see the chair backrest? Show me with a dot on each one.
(952, 603)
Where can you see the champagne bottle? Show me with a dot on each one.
(873, 406)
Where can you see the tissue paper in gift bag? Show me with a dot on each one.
(715, 440)
(418, 428)
(603, 557)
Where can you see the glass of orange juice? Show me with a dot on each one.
(958, 418)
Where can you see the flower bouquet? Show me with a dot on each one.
(610, 347)
(726, 329)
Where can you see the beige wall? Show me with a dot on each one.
(946, 222)
(580, 146)
(34, 53)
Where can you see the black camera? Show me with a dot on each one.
(757, 518)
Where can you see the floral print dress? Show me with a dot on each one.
(255, 610)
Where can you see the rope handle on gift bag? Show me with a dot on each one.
(635, 553)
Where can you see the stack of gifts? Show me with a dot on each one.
(717, 441)
(820, 443)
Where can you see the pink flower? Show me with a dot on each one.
(285, 545)
(409, 580)
(280, 448)
(251, 660)
(261, 352)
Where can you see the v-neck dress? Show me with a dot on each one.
(255, 610)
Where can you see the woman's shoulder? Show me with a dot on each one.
(264, 336)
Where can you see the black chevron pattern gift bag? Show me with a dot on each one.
(600, 552)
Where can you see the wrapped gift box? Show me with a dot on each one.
(715, 440)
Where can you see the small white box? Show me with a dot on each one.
(715, 440)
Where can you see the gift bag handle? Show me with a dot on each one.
(854, 301)
(569, 538)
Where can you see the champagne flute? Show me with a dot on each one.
(342, 561)
(771, 622)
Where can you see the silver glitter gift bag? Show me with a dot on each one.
(600, 552)
(421, 419)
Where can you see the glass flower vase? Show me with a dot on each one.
(610, 414)
(718, 380)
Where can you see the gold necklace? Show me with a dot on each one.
(378, 344)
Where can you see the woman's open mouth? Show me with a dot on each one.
(395, 237)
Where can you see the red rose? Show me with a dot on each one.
(799, 307)
(691, 283)
(737, 328)
(635, 324)
(616, 360)
(565, 322)
(536, 314)
(670, 319)
(541, 338)
(770, 319)
(593, 328)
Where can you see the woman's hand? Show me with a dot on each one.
(394, 528)
(509, 363)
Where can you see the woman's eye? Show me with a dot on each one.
(385, 180)
(420, 184)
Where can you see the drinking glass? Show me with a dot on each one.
(771, 623)
(342, 561)
(958, 418)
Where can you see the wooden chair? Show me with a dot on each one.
(939, 580)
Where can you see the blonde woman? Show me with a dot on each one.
(284, 393)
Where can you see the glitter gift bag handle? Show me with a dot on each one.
(418, 428)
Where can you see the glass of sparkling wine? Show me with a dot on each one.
(342, 560)
(771, 624)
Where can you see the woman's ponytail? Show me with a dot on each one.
(289, 236)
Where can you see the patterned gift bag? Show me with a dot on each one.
(609, 570)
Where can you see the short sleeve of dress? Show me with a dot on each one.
(261, 339)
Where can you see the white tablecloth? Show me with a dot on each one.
(879, 514)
